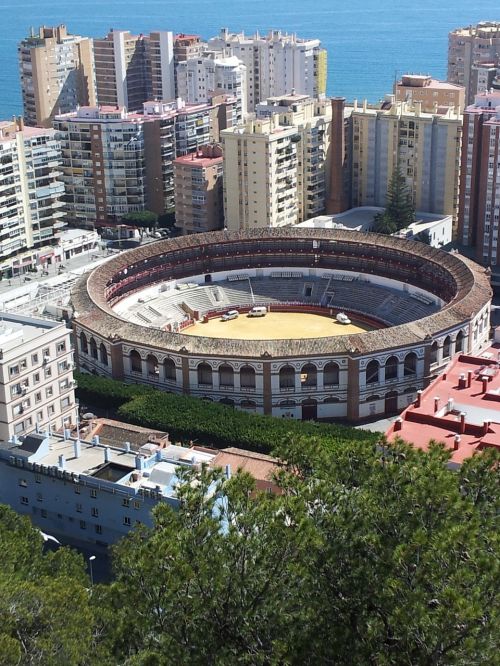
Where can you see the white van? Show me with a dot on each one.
(230, 314)
(258, 311)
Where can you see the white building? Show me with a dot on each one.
(88, 492)
(200, 78)
(30, 194)
(73, 242)
(36, 370)
(276, 63)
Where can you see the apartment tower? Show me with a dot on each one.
(31, 206)
(431, 93)
(57, 74)
(424, 147)
(469, 47)
(199, 200)
(133, 69)
(479, 210)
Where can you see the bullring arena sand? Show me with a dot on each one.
(275, 326)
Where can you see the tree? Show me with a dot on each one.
(399, 212)
(370, 555)
(144, 219)
(45, 611)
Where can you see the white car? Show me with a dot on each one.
(342, 318)
(258, 311)
(230, 314)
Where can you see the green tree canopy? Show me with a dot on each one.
(45, 612)
(399, 212)
(142, 218)
(370, 555)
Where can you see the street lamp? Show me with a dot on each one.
(91, 559)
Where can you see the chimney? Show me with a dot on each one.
(62, 462)
(66, 434)
(227, 471)
(95, 440)
(77, 448)
(469, 378)
(462, 422)
(484, 381)
(449, 405)
(158, 455)
(436, 404)
(337, 200)
(486, 427)
(107, 452)
(418, 401)
(398, 424)
(127, 447)
(139, 463)
(456, 442)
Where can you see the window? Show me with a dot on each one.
(23, 483)
(63, 366)
(51, 410)
(77, 490)
(39, 497)
(94, 511)
(47, 373)
(34, 359)
(43, 513)
(83, 525)
(127, 520)
(60, 348)
(65, 403)
(93, 493)
(13, 370)
(36, 378)
(38, 478)
(137, 505)
(125, 501)
(24, 500)
(98, 529)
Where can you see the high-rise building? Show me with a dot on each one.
(424, 147)
(117, 162)
(36, 376)
(469, 47)
(432, 94)
(276, 64)
(200, 78)
(276, 168)
(57, 74)
(199, 201)
(31, 207)
(479, 211)
(186, 47)
(132, 69)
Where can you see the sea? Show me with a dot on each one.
(369, 42)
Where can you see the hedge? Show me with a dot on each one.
(211, 424)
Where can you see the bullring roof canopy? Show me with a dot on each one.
(462, 285)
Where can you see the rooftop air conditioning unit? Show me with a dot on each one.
(46, 358)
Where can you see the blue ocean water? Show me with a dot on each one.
(369, 42)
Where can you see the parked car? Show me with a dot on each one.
(230, 314)
(258, 311)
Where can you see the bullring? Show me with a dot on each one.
(424, 306)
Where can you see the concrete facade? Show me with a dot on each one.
(430, 92)
(36, 375)
(57, 74)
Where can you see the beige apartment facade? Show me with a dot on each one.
(431, 93)
(276, 167)
(36, 375)
(425, 147)
(57, 74)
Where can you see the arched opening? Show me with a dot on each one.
(103, 354)
(309, 409)
(84, 347)
(248, 404)
(391, 368)
(204, 374)
(434, 353)
(410, 366)
(226, 375)
(309, 376)
(331, 374)
(287, 404)
(372, 398)
(330, 400)
(391, 402)
(287, 377)
(372, 372)
(247, 377)
(93, 348)
(227, 401)
(447, 347)
(152, 366)
(135, 361)
(459, 342)
(169, 370)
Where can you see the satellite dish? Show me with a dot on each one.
(88, 416)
